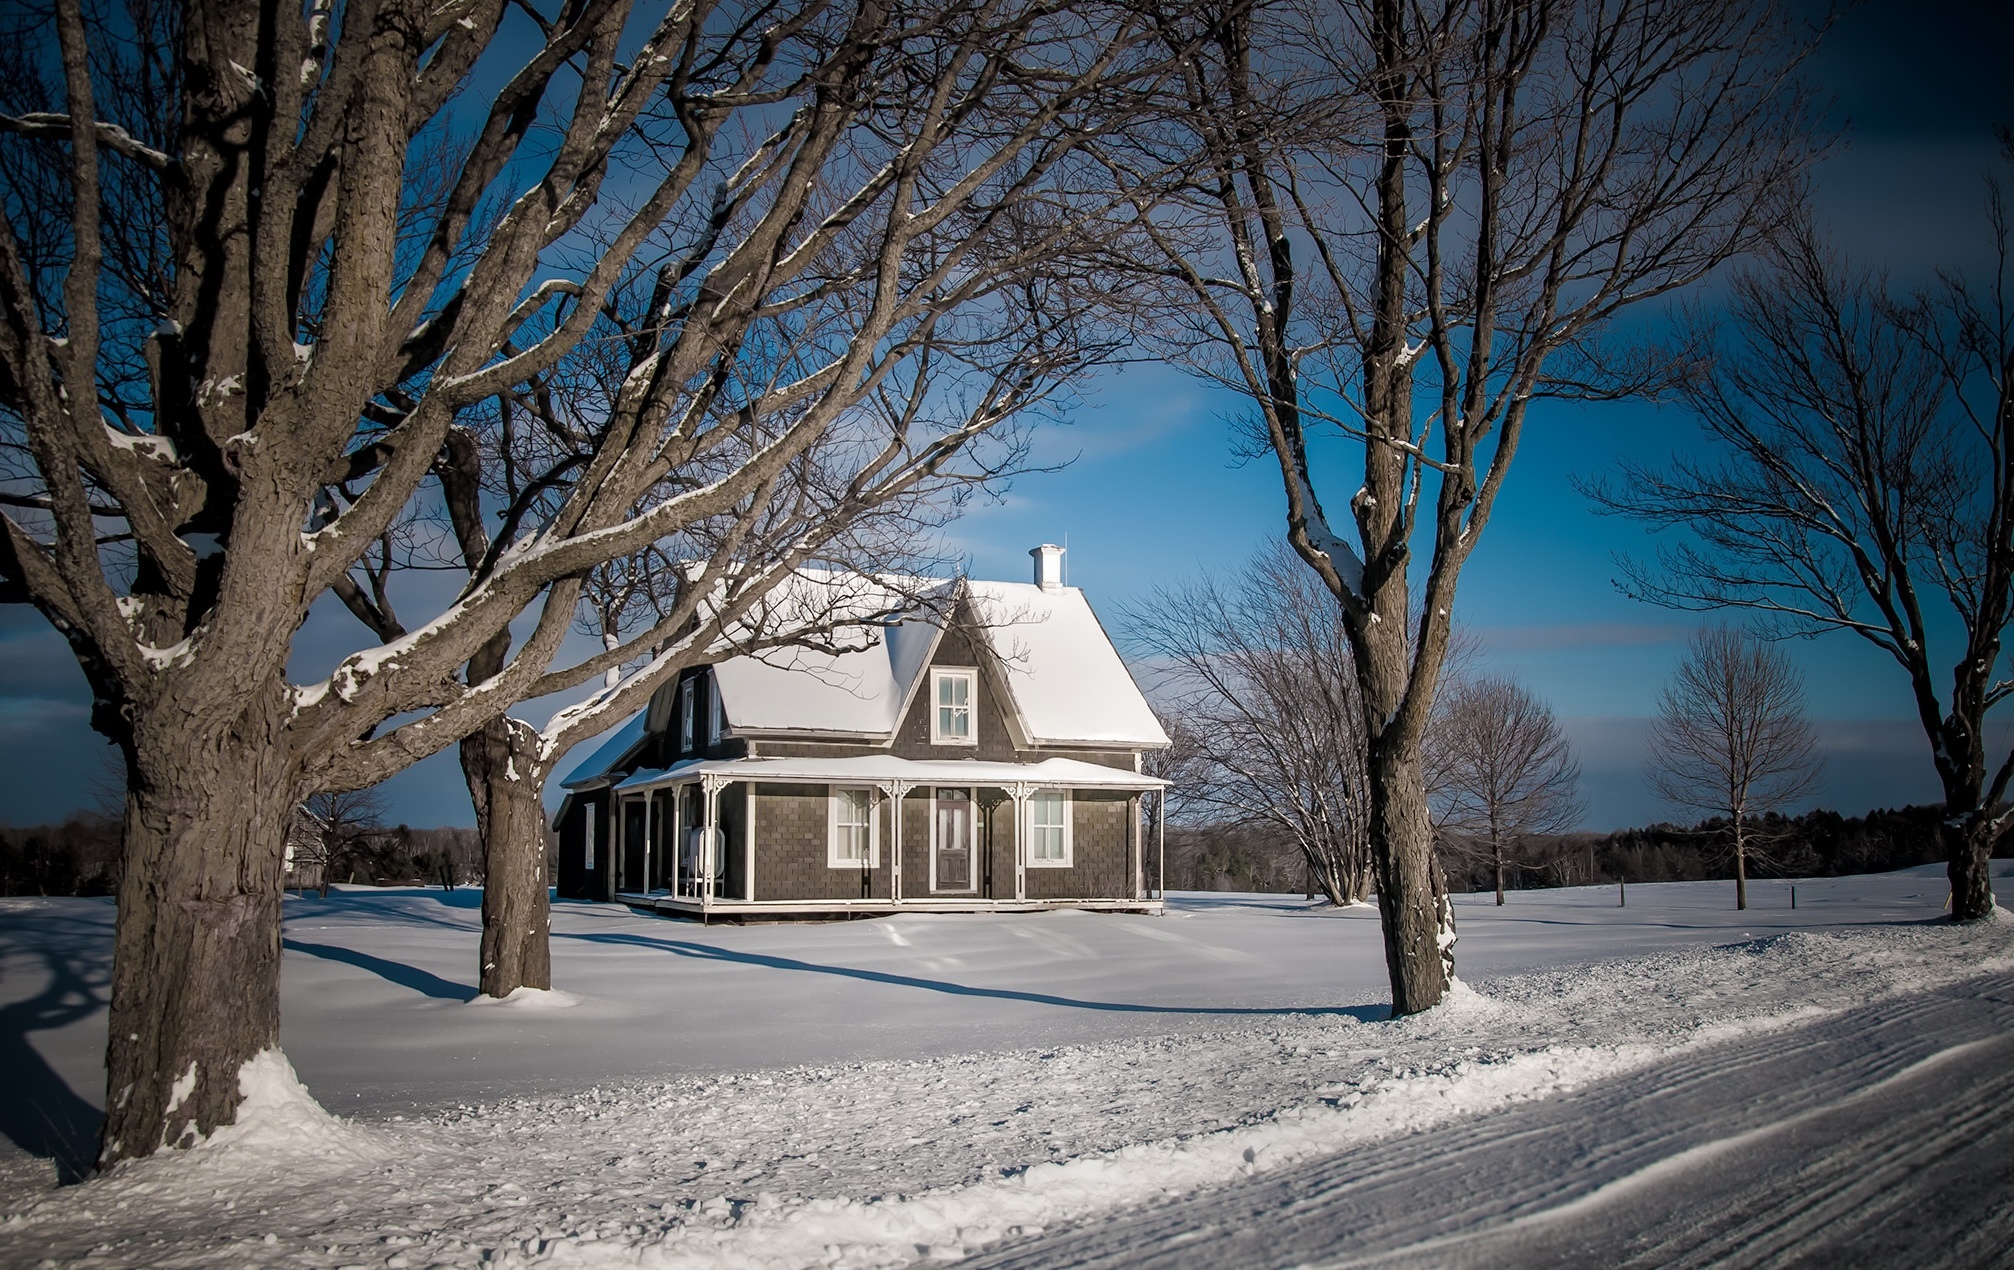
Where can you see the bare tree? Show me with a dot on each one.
(1251, 675)
(1405, 223)
(1731, 738)
(1499, 767)
(1862, 480)
(341, 822)
(237, 337)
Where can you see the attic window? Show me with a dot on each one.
(716, 714)
(687, 722)
(951, 693)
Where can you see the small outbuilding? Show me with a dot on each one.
(989, 758)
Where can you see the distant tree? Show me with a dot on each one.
(345, 826)
(1499, 768)
(1730, 736)
(1861, 478)
(1252, 672)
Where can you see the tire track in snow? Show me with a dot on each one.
(1881, 1136)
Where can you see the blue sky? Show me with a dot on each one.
(1152, 494)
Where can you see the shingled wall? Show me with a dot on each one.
(791, 826)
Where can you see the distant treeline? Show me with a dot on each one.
(401, 856)
(1229, 858)
(1815, 844)
(81, 857)
(78, 857)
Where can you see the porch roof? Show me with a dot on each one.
(869, 769)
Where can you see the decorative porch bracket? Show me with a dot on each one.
(896, 791)
(709, 835)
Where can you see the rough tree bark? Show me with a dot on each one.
(1415, 913)
(506, 777)
(196, 951)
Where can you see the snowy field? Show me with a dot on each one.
(1665, 1083)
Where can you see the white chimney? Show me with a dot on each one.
(1048, 566)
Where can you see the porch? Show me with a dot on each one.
(876, 834)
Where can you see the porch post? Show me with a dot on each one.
(1137, 804)
(898, 790)
(1161, 847)
(748, 841)
(677, 834)
(1019, 792)
(649, 797)
(708, 832)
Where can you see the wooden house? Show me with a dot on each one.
(990, 759)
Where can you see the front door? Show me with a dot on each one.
(635, 852)
(951, 842)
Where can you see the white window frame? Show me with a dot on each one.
(716, 714)
(688, 722)
(1034, 832)
(970, 676)
(834, 857)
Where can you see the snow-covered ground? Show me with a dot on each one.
(1218, 1086)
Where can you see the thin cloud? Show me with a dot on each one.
(1581, 635)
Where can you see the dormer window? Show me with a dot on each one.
(716, 714)
(688, 717)
(952, 690)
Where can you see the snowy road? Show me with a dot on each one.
(1881, 1137)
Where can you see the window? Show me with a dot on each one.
(716, 714)
(587, 822)
(851, 839)
(686, 722)
(1049, 828)
(951, 692)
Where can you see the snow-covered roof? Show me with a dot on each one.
(856, 689)
(859, 692)
(592, 769)
(1064, 679)
(1059, 674)
(870, 768)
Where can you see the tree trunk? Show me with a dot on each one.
(196, 954)
(1740, 866)
(1968, 849)
(1417, 919)
(1497, 854)
(507, 782)
(1336, 871)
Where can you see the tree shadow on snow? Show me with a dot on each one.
(707, 952)
(459, 909)
(40, 1113)
(424, 982)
